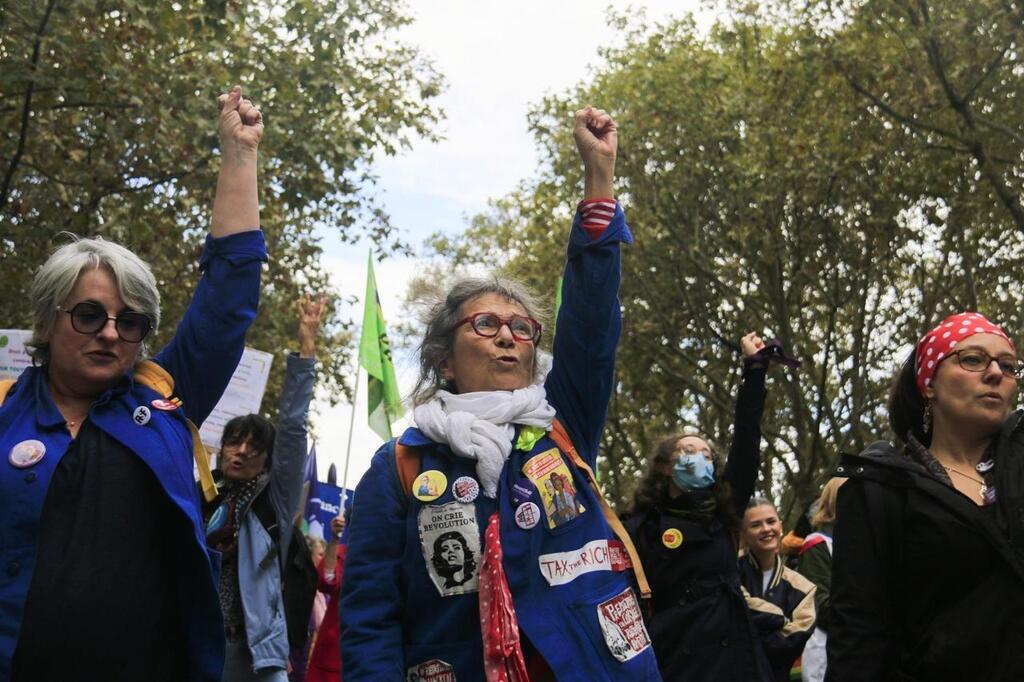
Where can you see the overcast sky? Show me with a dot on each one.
(497, 59)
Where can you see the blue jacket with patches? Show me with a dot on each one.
(201, 357)
(394, 612)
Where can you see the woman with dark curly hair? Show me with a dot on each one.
(684, 521)
(453, 559)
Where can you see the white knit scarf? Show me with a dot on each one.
(479, 425)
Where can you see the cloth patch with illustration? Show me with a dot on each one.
(622, 625)
(450, 539)
(430, 671)
(551, 476)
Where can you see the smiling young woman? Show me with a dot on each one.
(928, 578)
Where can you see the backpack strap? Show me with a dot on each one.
(5, 388)
(152, 375)
(564, 443)
(407, 465)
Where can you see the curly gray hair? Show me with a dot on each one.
(56, 278)
(439, 339)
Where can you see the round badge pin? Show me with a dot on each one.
(429, 485)
(26, 453)
(465, 489)
(527, 515)
(141, 415)
(672, 538)
(165, 405)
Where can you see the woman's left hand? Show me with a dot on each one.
(240, 125)
(597, 139)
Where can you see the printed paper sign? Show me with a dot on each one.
(430, 671)
(242, 396)
(450, 539)
(551, 476)
(623, 626)
(560, 568)
(14, 357)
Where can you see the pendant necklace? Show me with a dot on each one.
(982, 490)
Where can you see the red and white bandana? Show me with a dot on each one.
(939, 342)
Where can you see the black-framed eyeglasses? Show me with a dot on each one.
(976, 360)
(234, 450)
(488, 325)
(89, 318)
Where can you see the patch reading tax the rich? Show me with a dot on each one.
(548, 472)
(450, 540)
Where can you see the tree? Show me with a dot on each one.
(107, 129)
(765, 193)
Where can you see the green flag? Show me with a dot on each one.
(383, 401)
(558, 306)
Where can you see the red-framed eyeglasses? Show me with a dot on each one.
(523, 327)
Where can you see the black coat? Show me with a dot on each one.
(926, 585)
(700, 626)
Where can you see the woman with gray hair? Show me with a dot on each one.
(106, 572)
(550, 595)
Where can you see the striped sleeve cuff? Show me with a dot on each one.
(597, 214)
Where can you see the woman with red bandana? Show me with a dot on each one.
(928, 568)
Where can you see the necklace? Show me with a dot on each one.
(981, 491)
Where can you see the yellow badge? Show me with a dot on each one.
(554, 483)
(672, 538)
(429, 485)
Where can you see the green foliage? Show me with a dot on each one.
(107, 128)
(767, 193)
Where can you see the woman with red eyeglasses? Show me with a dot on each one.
(927, 576)
(549, 595)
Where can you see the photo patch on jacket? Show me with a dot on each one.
(450, 539)
(430, 671)
(622, 625)
(554, 484)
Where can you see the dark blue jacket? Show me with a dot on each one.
(393, 615)
(201, 357)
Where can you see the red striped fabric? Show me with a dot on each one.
(597, 214)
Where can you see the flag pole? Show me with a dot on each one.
(351, 425)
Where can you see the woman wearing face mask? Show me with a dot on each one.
(928, 567)
(684, 521)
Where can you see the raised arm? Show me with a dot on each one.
(744, 453)
(210, 338)
(589, 321)
(240, 126)
(290, 444)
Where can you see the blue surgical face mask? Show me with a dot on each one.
(693, 471)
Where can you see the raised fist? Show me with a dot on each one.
(240, 124)
(597, 138)
(750, 344)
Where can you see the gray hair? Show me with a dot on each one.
(56, 278)
(441, 317)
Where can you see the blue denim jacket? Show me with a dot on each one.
(201, 357)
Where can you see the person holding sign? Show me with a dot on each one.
(479, 545)
(105, 572)
(684, 520)
(252, 527)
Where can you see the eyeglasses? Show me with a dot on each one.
(233, 450)
(488, 325)
(974, 360)
(89, 318)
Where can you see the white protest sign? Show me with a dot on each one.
(14, 357)
(243, 395)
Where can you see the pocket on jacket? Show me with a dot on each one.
(612, 621)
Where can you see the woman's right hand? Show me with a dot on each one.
(240, 125)
(597, 139)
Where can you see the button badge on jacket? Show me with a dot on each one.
(141, 415)
(26, 453)
(429, 485)
(672, 538)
